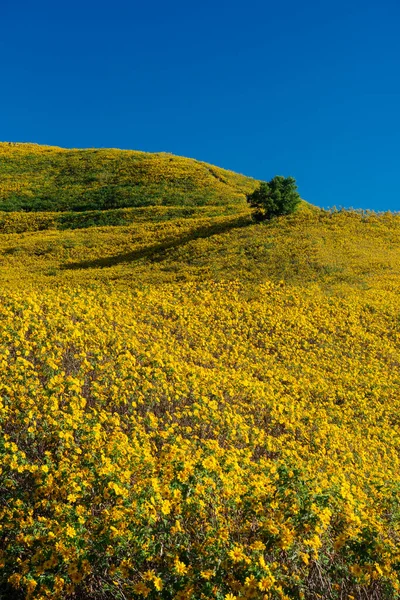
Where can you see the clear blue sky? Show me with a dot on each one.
(309, 89)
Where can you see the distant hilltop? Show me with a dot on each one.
(49, 178)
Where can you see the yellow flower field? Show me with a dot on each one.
(201, 408)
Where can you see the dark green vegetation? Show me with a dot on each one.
(274, 198)
(44, 178)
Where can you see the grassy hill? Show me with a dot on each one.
(46, 178)
(194, 406)
(140, 246)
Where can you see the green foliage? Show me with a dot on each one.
(42, 178)
(274, 198)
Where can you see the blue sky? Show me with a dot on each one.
(308, 89)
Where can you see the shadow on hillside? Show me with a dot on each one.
(156, 252)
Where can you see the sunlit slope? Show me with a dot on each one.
(161, 244)
(37, 178)
(200, 407)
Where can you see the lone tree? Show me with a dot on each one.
(273, 198)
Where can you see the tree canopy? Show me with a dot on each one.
(273, 198)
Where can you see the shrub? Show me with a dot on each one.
(273, 198)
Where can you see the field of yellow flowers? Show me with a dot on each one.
(196, 407)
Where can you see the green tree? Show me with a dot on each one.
(273, 198)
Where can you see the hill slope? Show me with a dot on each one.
(172, 244)
(195, 406)
(37, 178)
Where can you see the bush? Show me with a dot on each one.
(273, 198)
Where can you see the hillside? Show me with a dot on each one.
(46, 178)
(194, 406)
(138, 246)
